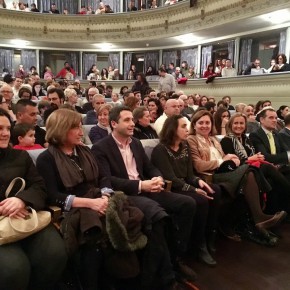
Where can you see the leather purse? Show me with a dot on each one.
(12, 229)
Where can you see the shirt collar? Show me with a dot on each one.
(121, 145)
(266, 131)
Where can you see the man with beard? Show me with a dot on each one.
(56, 98)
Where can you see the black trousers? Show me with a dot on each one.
(36, 262)
(161, 209)
(207, 211)
(181, 210)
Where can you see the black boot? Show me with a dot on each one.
(205, 257)
(211, 241)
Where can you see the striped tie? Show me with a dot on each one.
(272, 143)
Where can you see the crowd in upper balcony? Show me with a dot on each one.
(85, 10)
(174, 74)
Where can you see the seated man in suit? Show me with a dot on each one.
(123, 161)
(284, 134)
(268, 143)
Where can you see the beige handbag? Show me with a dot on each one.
(12, 229)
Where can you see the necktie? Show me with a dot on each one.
(272, 143)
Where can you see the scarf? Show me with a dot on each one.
(239, 148)
(70, 173)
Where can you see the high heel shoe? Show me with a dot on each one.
(205, 257)
(274, 221)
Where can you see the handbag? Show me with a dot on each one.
(12, 229)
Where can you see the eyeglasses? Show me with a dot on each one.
(99, 103)
(7, 92)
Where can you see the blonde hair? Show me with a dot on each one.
(230, 123)
(68, 92)
(59, 123)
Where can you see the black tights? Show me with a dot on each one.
(252, 196)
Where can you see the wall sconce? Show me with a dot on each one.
(44, 29)
(128, 29)
(166, 24)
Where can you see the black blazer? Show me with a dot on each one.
(111, 165)
(284, 135)
(261, 143)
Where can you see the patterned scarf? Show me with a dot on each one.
(239, 148)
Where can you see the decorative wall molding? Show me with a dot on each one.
(144, 25)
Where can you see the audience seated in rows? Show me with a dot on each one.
(234, 178)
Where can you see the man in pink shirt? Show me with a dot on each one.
(126, 167)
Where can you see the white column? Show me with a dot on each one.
(81, 65)
(197, 69)
(121, 5)
(79, 7)
(236, 59)
(287, 46)
(37, 62)
(160, 58)
(121, 62)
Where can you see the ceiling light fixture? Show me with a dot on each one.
(104, 45)
(187, 38)
(19, 42)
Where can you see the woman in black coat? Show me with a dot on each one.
(142, 129)
(141, 85)
(37, 261)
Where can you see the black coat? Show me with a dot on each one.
(17, 163)
(111, 165)
(140, 87)
(284, 135)
(141, 132)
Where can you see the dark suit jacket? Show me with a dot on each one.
(91, 118)
(111, 164)
(284, 135)
(261, 144)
